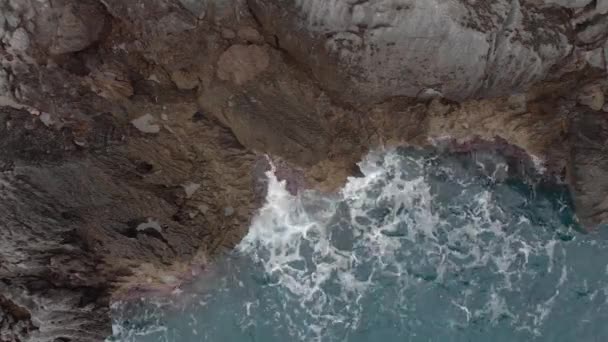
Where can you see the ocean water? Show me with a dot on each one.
(427, 246)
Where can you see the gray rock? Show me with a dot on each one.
(587, 167)
(567, 3)
(78, 26)
(69, 195)
(146, 124)
(377, 49)
(4, 85)
(197, 7)
(19, 41)
(2, 24)
(598, 58)
(594, 31)
(592, 96)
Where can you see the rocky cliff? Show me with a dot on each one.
(133, 133)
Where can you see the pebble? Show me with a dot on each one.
(46, 119)
(150, 224)
(80, 142)
(145, 123)
(228, 211)
(190, 188)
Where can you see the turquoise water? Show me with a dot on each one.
(427, 246)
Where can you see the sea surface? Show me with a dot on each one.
(426, 246)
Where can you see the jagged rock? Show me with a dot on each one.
(314, 86)
(111, 82)
(592, 96)
(369, 51)
(64, 250)
(146, 124)
(196, 7)
(587, 165)
(595, 31)
(19, 40)
(598, 58)
(78, 25)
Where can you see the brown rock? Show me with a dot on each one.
(110, 81)
(78, 26)
(251, 35)
(242, 63)
(228, 34)
(317, 99)
(587, 165)
(185, 80)
(592, 96)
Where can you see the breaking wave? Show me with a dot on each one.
(426, 246)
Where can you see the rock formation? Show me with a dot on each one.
(133, 133)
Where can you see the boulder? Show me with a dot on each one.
(78, 25)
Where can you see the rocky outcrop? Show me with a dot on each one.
(132, 132)
(368, 51)
(588, 161)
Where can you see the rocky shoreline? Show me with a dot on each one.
(133, 133)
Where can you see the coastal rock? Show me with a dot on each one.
(369, 51)
(588, 162)
(134, 135)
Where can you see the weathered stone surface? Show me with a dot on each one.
(374, 50)
(564, 3)
(593, 32)
(64, 248)
(101, 203)
(78, 26)
(588, 162)
(249, 34)
(592, 96)
(196, 7)
(242, 63)
(280, 112)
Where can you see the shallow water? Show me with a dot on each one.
(428, 246)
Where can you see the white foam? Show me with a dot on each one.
(297, 243)
(412, 224)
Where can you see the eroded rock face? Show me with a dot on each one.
(133, 133)
(374, 50)
(72, 213)
(242, 63)
(587, 164)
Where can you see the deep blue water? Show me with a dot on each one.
(428, 246)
